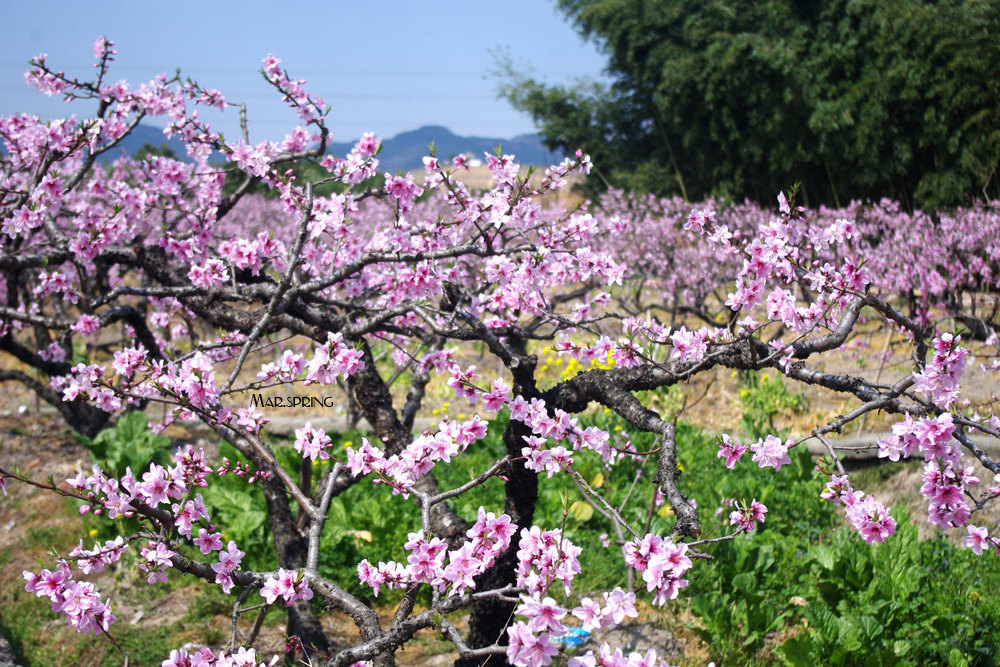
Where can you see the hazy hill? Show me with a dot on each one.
(141, 136)
(403, 152)
(407, 149)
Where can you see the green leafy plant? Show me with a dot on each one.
(128, 444)
(888, 604)
(763, 399)
(750, 589)
(240, 511)
(749, 601)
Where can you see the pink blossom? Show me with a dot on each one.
(312, 443)
(156, 561)
(689, 346)
(731, 450)
(590, 613)
(871, 519)
(229, 559)
(770, 451)
(208, 542)
(498, 396)
(525, 649)
(543, 615)
(618, 604)
(746, 518)
(288, 585)
(977, 539)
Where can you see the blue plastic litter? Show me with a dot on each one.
(575, 637)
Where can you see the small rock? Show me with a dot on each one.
(6, 654)
(634, 637)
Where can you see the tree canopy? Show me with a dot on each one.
(855, 99)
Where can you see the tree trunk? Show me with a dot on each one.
(490, 617)
(292, 549)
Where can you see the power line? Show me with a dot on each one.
(423, 73)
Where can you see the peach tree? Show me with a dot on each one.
(222, 293)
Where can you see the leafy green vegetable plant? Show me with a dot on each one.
(128, 444)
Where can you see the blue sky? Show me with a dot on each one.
(384, 65)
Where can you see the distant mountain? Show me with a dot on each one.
(403, 152)
(406, 151)
(141, 136)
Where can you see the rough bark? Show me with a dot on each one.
(292, 548)
(490, 617)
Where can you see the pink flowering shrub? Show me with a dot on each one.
(224, 295)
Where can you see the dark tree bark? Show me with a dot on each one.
(292, 548)
(490, 617)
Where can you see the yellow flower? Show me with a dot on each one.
(348, 443)
(93, 532)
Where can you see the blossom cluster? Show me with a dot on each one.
(288, 585)
(430, 562)
(533, 642)
(79, 600)
(205, 657)
(868, 516)
(663, 564)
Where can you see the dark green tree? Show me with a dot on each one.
(853, 98)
